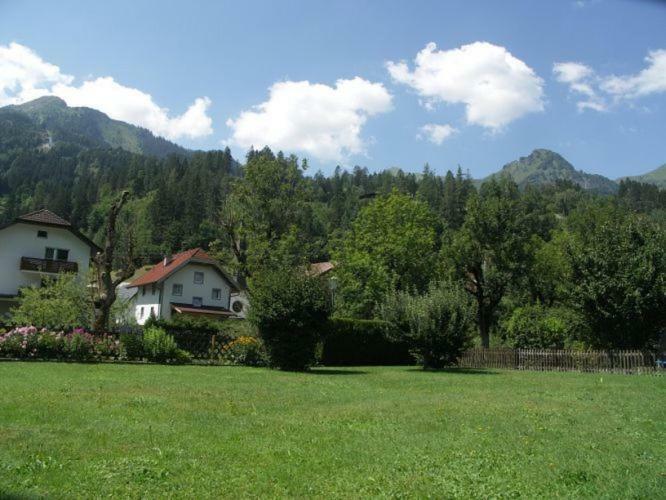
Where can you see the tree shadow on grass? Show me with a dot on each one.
(460, 371)
(6, 495)
(333, 371)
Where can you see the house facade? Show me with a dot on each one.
(37, 245)
(191, 283)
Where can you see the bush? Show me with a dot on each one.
(80, 346)
(248, 351)
(540, 327)
(160, 347)
(437, 325)
(350, 342)
(194, 334)
(62, 303)
(290, 310)
(30, 343)
(131, 346)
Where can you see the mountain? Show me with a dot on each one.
(47, 120)
(656, 177)
(543, 166)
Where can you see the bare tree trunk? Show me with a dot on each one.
(104, 261)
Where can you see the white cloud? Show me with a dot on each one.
(582, 80)
(495, 86)
(25, 76)
(598, 90)
(314, 118)
(435, 133)
(651, 80)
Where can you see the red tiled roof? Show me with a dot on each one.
(45, 216)
(160, 271)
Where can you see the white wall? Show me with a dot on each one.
(20, 240)
(162, 298)
(148, 298)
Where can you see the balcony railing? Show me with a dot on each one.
(48, 266)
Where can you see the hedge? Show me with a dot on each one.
(350, 342)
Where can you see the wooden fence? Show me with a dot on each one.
(562, 360)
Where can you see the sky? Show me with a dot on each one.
(378, 83)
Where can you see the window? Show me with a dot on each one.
(143, 290)
(42, 234)
(177, 289)
(217, 294)
(152, 311)
(141, 312)
(197, 301)
(198, 278)
(152, 289)
(56, 253)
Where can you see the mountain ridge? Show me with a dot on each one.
(49, 119)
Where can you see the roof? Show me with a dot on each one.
(162, 270)
(45, 217)
(319, 268)
(189, 308)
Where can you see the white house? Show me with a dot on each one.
(37, 245)
(191, 282)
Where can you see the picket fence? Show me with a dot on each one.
(562, 360)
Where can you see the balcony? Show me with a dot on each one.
(31, 264)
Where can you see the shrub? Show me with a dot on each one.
(79, 346)
(437, 325)
(131, 346)
(244, 350)
(51, 345)
(160, 347)
(193, 334)
(540, 327)
(30, 343)
(350, 342)
(62, 303)
(290, 310)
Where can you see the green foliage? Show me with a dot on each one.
(540, 327)
(131, 346)
(290, 310)
(354, 342)
(490, 252)
(437, 324)
(618, 277)
(160, 347)
(28, 342)
(63, 302)
(392, 244)
(248, 351)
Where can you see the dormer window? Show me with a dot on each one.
(198, 278)
(42, 234)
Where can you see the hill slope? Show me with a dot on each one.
(656, 177)
(543, 166)
(47, 120)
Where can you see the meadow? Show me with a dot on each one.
(92, 430)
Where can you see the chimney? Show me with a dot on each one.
(167, 259)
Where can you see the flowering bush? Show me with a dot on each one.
(28, 342)
(245, 350)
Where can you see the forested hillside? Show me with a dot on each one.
(533, 247)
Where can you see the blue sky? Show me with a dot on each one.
(196, 72)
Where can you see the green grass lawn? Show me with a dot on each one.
(195, 431)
